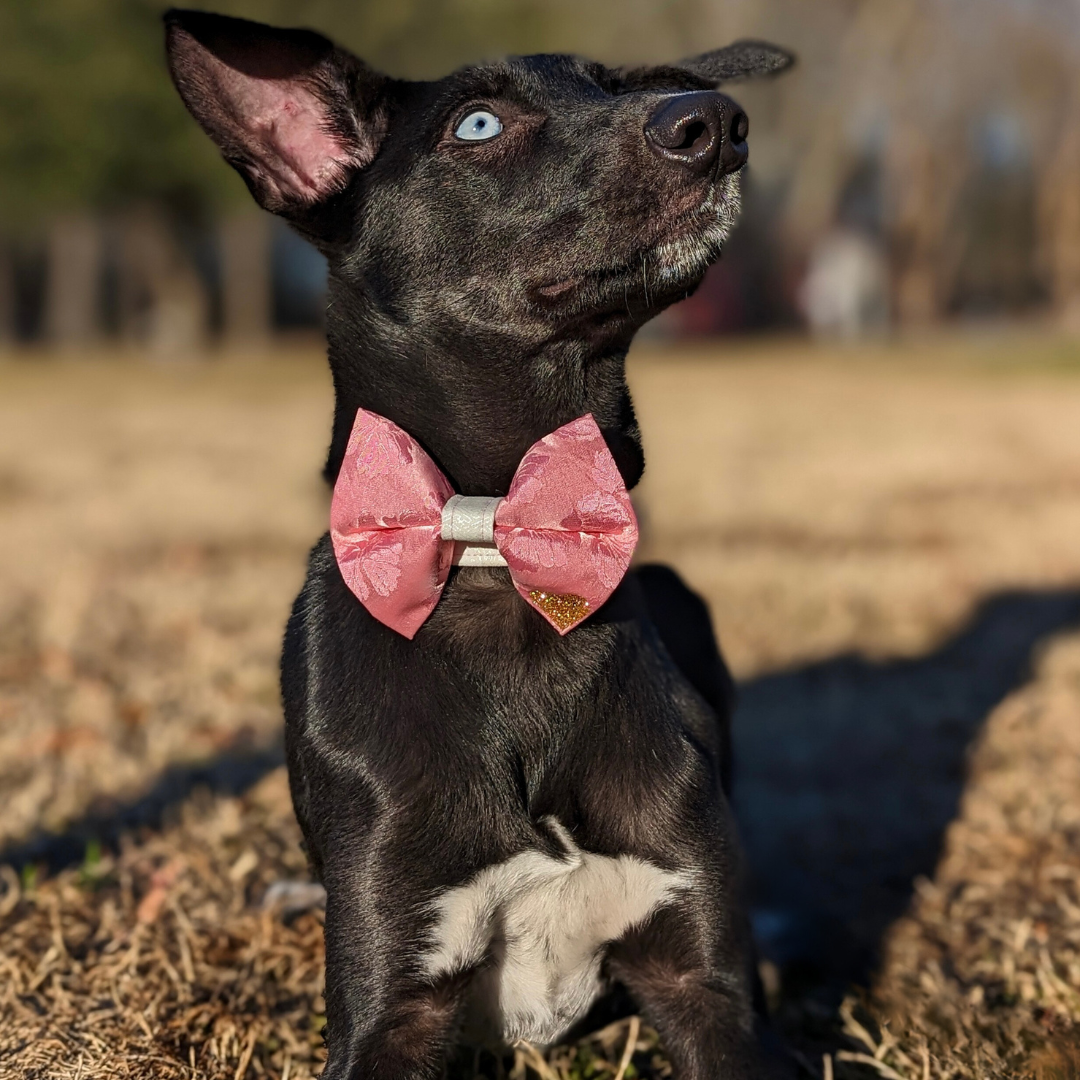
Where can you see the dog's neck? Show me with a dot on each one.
(476, 400)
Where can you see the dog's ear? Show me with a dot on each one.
(740, 60)
(292, 113)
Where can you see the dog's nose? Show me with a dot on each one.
(699, 131)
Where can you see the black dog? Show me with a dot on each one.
(507, 822)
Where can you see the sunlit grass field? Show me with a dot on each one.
(889, 540)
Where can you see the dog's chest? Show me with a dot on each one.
(535, 926)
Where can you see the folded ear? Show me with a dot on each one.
(740, 60)
(293, 114)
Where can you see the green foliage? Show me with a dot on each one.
(88, 116)
(414, 38)
(421, 39)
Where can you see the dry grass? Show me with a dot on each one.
(154, 528)
(155, 524)
(985, 967)
(158, 962)
(863, 501)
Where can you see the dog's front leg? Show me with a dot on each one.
(384, 1019)
(693, 985)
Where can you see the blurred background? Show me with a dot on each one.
(863, 446)
(920, 165)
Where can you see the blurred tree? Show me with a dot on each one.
(903, 84)
(74, 272)
(90, 126)
(924, 182)
(1059, 215)
(246, 286)
(163, 304)
(88, 118)
(7, 294)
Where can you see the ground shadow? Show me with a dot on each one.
(232, 773)
(847, 773)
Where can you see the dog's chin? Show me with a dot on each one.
(680, 260)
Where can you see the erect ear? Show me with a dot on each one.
(740, 60)
(292, 113)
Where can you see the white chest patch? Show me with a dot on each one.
(539, 925)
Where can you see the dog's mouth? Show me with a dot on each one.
(691, 245)
(669, 258)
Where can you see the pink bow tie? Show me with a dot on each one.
(566, 529)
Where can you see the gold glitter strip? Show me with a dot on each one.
(564, 610)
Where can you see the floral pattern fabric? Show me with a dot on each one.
(566, 527)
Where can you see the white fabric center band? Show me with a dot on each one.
(469, 520)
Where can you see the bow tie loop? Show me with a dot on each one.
(565, 530)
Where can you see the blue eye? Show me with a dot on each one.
(478, 126)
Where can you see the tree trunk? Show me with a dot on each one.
(923, 182)
(7, 296)
(73, 279)
(245, 279)
(1059, 220)
(163, 304)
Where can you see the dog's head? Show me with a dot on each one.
(509, 213)
(544, 183)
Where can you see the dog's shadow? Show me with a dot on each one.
(848, 772)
